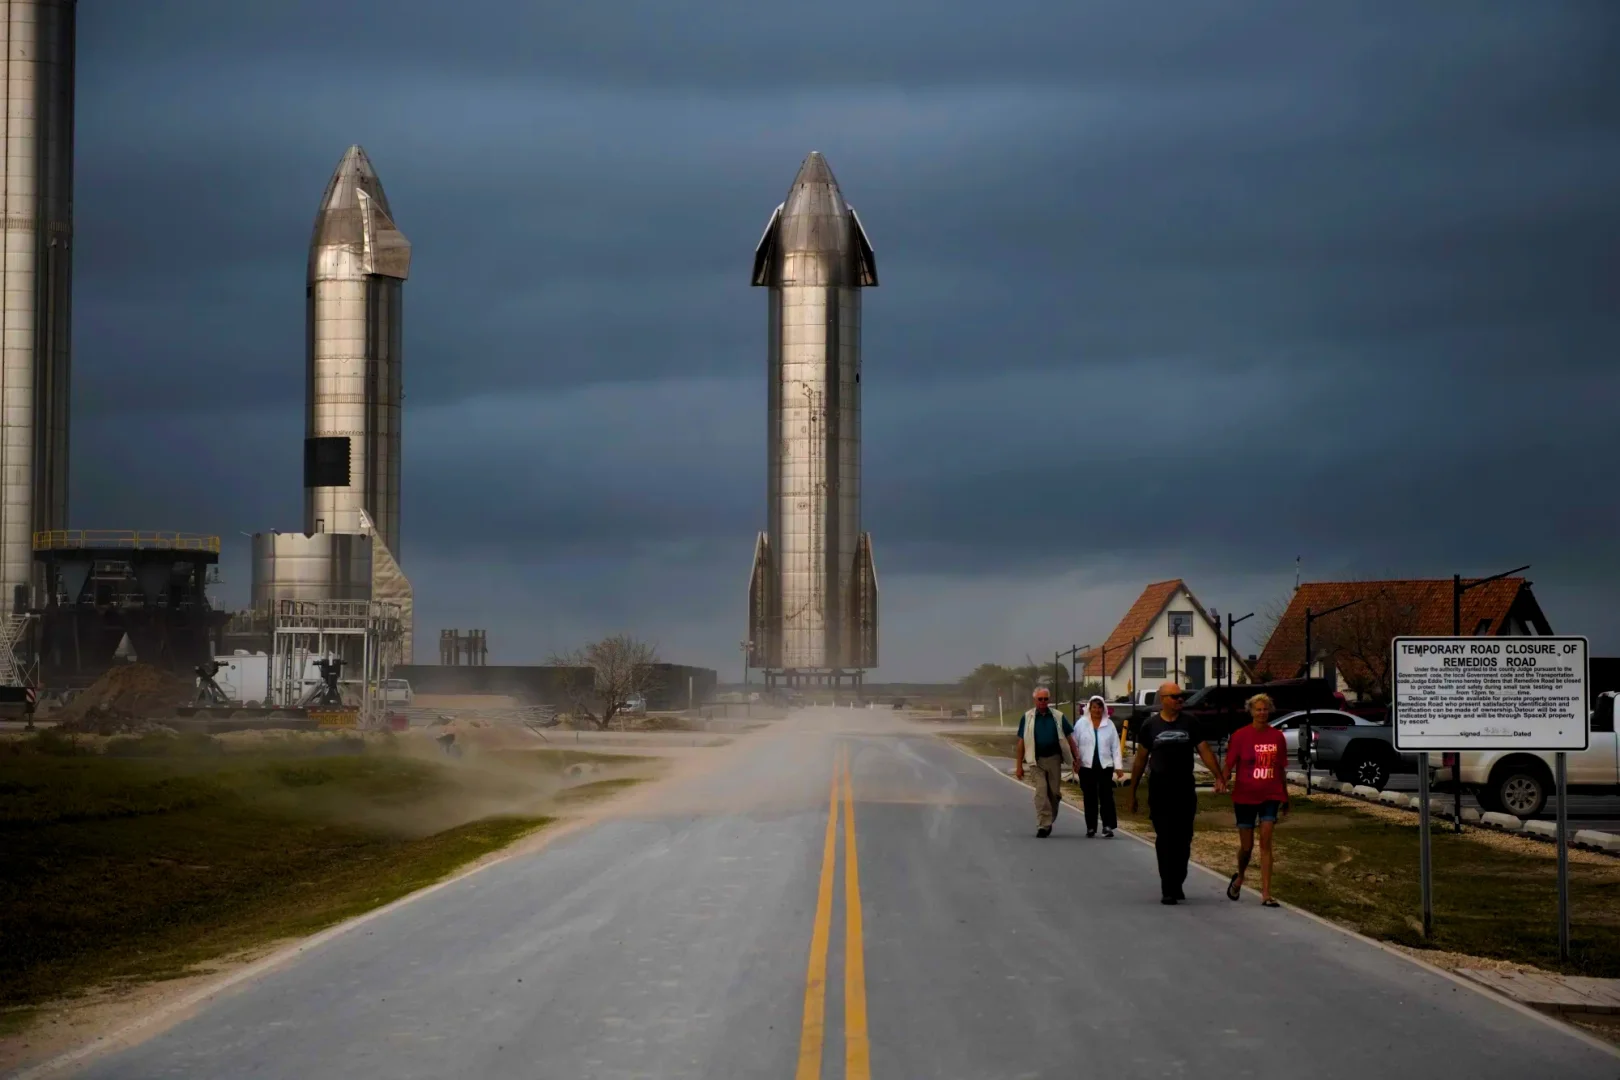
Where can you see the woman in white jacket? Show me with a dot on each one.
(1100, 762)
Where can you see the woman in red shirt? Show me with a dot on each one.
(1257, 760)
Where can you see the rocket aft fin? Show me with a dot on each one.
(763, 652)
(862, 609)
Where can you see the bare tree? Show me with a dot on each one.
(622, 668)
(1358, 640)
(1270, 615)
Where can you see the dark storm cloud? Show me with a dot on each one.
(1317, 282)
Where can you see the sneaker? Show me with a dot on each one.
(1108, 834)
(1167, 900)
(1044, 831)
(1090, 833)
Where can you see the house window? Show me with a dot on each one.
(1181, 624)
(1484, 627)
(1217, 668)
(1153, 667)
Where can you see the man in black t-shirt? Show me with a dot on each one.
(1168, 743)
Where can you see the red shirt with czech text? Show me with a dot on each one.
(1257, 763)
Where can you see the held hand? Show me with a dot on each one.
(1220, 786)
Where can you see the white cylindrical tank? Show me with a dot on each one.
(37, 223)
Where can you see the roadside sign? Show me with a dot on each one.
(1489, 693)
(336, 718)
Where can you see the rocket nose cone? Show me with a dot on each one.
(354, 172)
(815, 170)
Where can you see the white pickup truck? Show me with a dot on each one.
(1519, 783)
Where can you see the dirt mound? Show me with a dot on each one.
(127, 698)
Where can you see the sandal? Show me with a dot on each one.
(1268, 902)
(1234, 888)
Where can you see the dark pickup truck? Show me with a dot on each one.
(1217, 711)
(1358, 752)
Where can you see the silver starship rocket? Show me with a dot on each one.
(812, 597)
(358, 263)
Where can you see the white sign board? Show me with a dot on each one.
(1489, 693)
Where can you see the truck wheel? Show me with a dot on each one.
(1519, 789)
(1365, 767)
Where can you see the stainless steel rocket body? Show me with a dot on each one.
(812, 599)
(358, 263)
(35, 294)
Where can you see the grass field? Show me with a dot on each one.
(159, 854)
(1361, 869)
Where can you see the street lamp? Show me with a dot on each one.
(1057, 664)
(1135, 693)
(1457, 589)
(1311, 617)
(1231, 646)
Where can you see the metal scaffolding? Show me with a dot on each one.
(364, 634)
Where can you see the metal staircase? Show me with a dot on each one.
(12, 629)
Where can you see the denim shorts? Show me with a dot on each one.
(1246, 814)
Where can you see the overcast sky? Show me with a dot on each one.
(1168, 290)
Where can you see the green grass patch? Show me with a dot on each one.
(596, 789)
(988, 743)
(1361, 870)
(135, 866)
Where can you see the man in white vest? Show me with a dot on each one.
(1045, 745)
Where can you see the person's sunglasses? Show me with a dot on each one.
(1175, 697)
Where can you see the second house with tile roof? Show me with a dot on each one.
(1167, 634)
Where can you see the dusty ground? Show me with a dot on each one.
(492, 755)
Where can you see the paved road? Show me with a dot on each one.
(684, 936)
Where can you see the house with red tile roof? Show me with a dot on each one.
(1352, 646)
(1166, 634)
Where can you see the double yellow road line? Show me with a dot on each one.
(857, 1051)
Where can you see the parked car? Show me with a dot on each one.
(1519, 782)
(634, 704)
(1217, 711)
(1357, 752)
(1291, 724)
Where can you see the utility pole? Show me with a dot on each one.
(1311, 617)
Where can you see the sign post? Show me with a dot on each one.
(1458, 694)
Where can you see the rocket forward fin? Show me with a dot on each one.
(865, 260)
(765, 251)
(863, 608)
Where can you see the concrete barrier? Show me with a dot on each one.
(1347, 789)
(1394, 798)
(1470, 816)
(1297, 778)
(1601, 840)
(1362, 791)
(1505, 822)
(1549, 829)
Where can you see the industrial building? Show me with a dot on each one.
(812, 595)
(74, 599)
